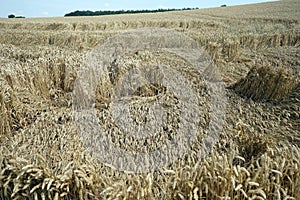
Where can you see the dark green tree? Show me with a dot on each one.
(11, 16)
(116, 12)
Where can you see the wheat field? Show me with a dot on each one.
(256, 50)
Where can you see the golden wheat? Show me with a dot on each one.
(256, 50)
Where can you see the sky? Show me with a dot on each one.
(53, 8)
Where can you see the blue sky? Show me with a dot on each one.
(43, 8)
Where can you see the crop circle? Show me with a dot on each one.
(147, 102)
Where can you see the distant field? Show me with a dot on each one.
(256, 50)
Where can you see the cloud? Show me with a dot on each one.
(45, 13)
(106, 5)
(163, 7)
(19, 12)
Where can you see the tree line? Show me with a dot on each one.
(117, 12)
(13, 16)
